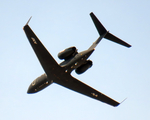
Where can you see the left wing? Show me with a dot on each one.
(48, 63)
(72, 83)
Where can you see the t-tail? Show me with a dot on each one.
(105, 34)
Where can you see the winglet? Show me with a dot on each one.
(120, 102)
(29, 20)
(123, 100)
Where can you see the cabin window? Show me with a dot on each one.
(71, 66)
(33, 83)
(76, 63)
(46, 82)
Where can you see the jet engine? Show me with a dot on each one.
(84, 67)
(67, 53)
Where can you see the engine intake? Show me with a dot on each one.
(67, 53)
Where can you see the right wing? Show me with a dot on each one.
(72, 83)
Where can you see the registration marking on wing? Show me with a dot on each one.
(34, 41)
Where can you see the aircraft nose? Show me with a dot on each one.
(31, 90)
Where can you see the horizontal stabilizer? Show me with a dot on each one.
(113, 38)
(101, 30)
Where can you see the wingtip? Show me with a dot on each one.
(120, 103)
(117, 105)
(130, 46)
(27, 23)
(91, 13)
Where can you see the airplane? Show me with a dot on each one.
(72, 60)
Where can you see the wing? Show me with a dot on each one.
(72, 83)
(47, 61)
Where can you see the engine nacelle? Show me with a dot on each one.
(84, 67)
(67, 53)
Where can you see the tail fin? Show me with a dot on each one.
(101, 30)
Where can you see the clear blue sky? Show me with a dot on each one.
(117, 71)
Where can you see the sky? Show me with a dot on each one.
(117, 71)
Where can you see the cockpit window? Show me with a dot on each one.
(33, 83)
